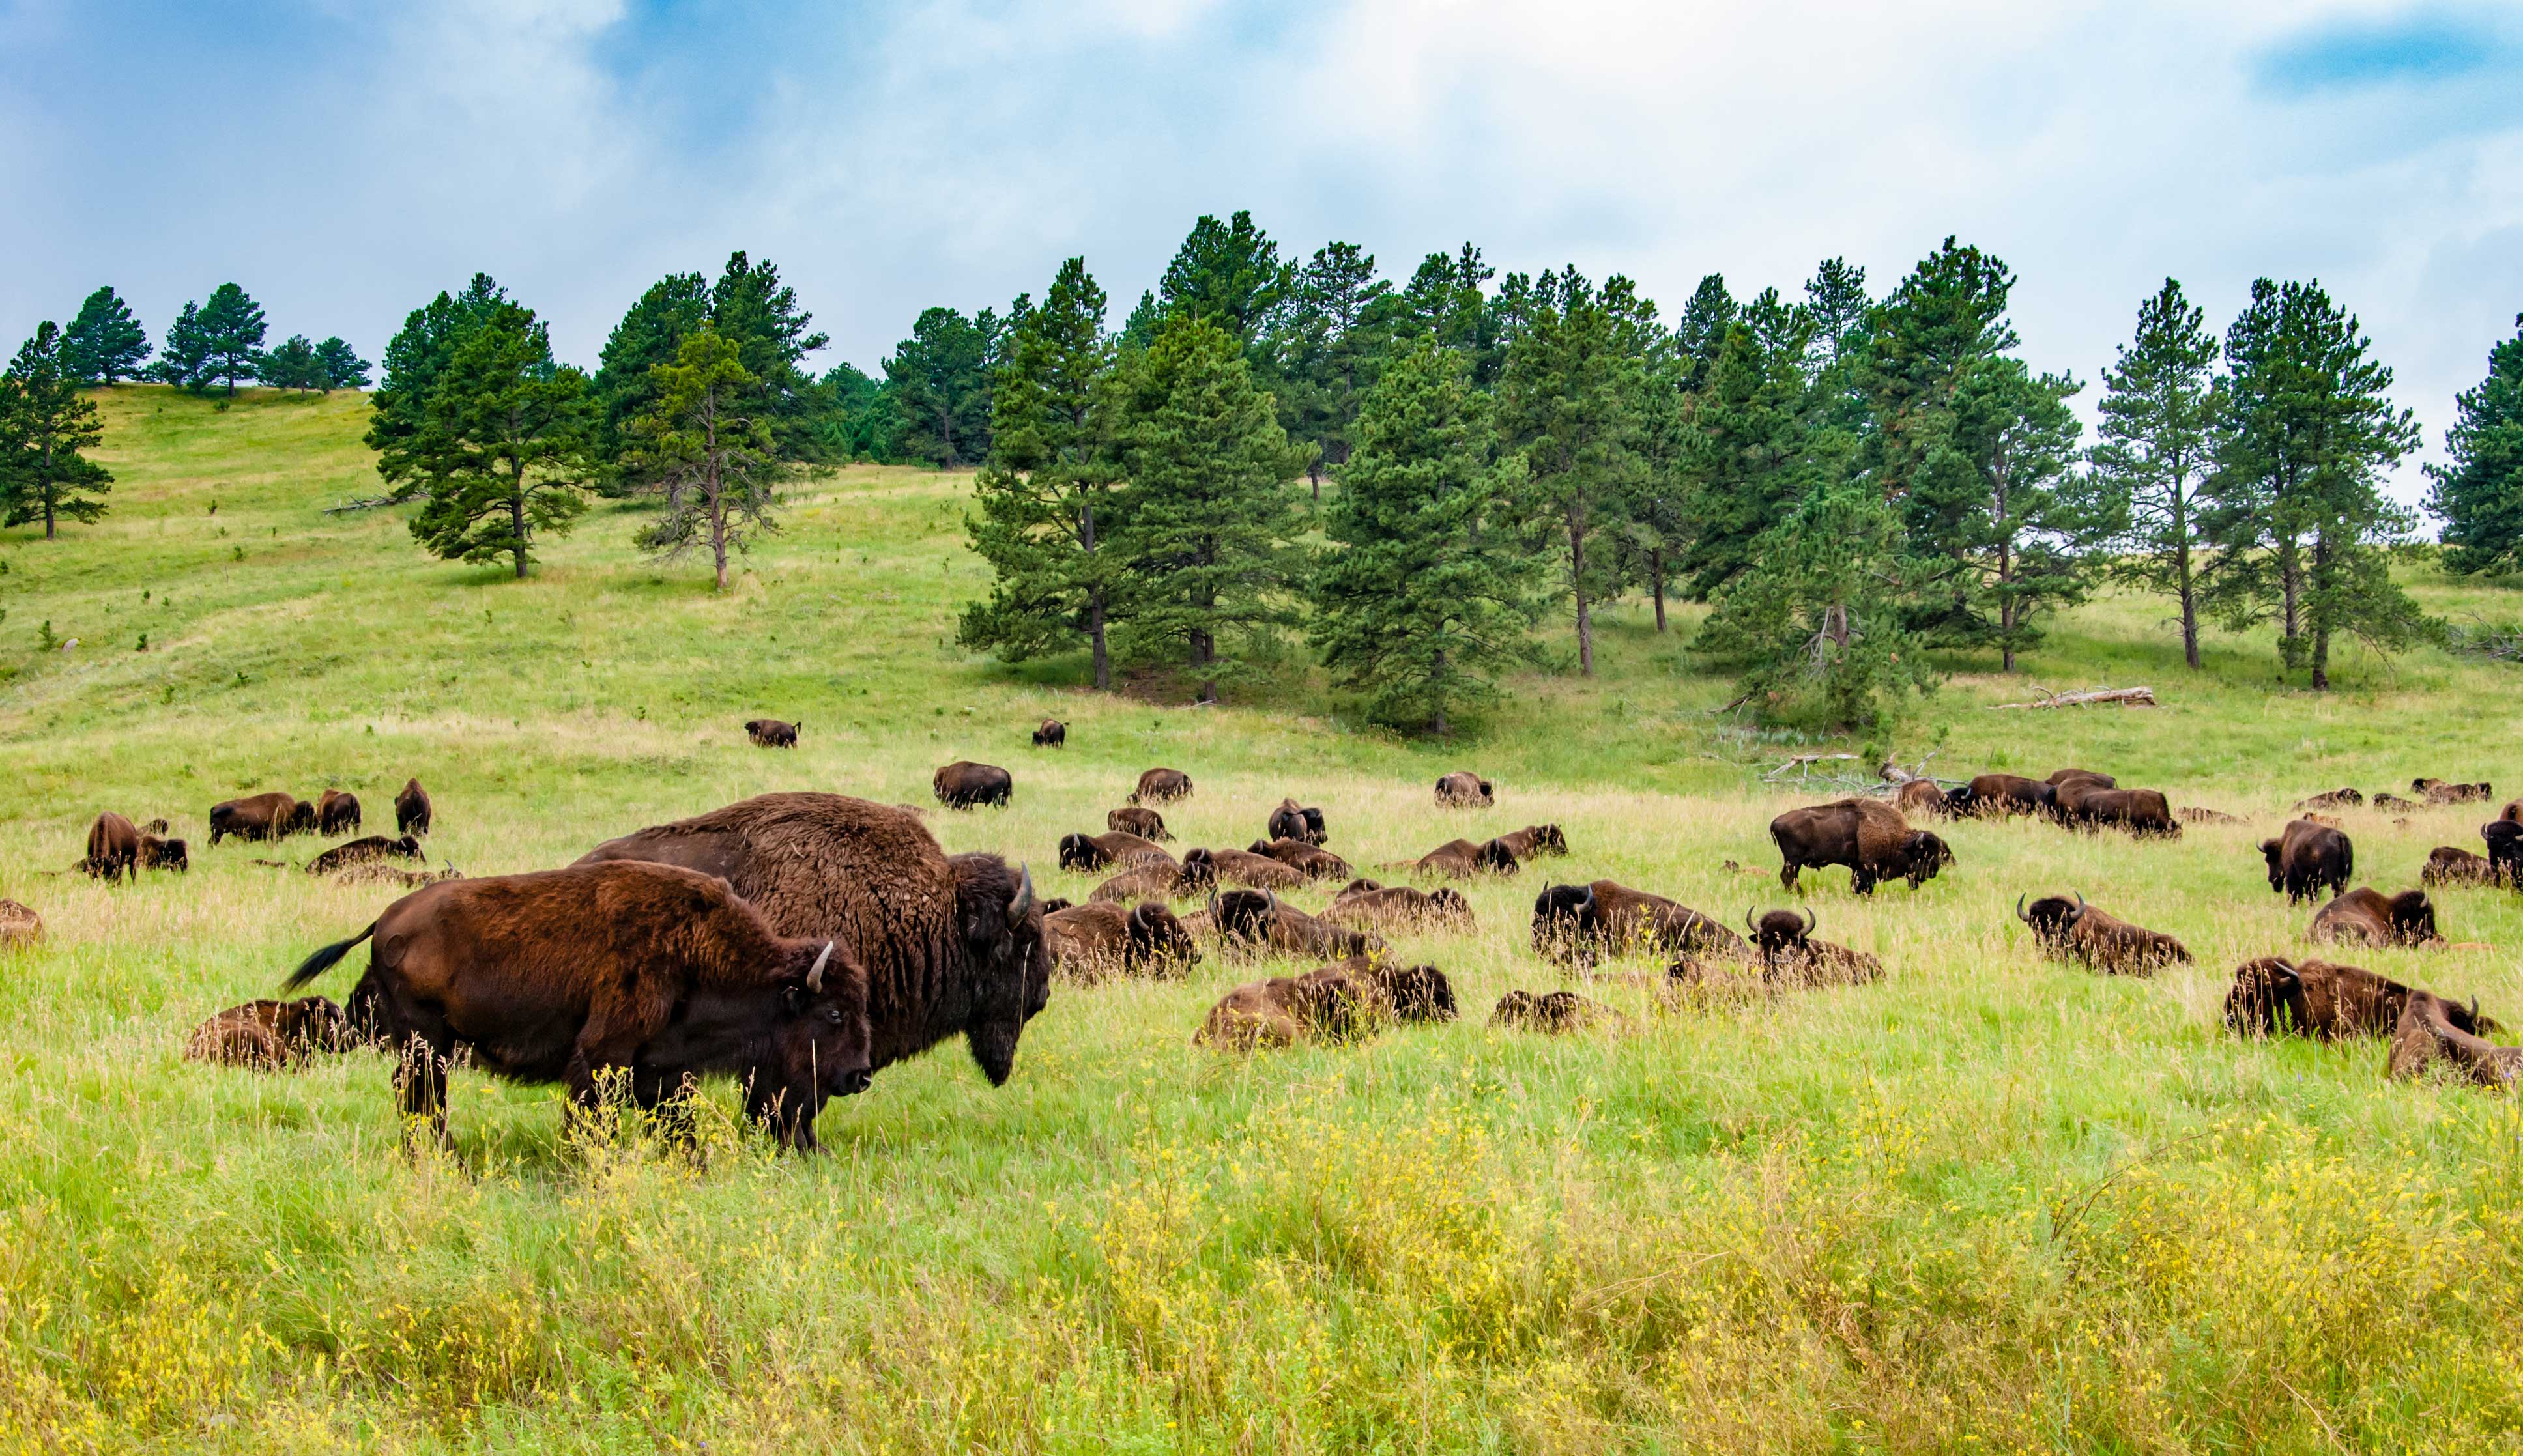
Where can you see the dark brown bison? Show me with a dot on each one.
(115, 847)
(1400, 907)
(1162, 786)
(2011, 793)
(19, 925)
(1606, 917)
(952, 943)
(261, 816)
(1923, 796)
(337, 813)
(1302, 857)
(771, 733)
(2143, 811)
(2505, 840)
(1053, 733)
(964, 784)
(2322, 1000)
(1534, 840)
(1257, 920)
(561, 974)
(1791, 954)
(1147, 880)
(365, 851)
(1868, 835)
(2367, 917)
(2428, 1033)
(1117, 847)
(412, 808)
(1552, 1012)
(2438, 791)
(1090, 942)
(2085, 777)
(2338, 798)
(1461, 790)
(271, 1035)
(1461, 859)
(2307, 856)
(1147, 824)
(2449, 864)
(1335, 1004)
(2098, 938)
(1292, 821)
(1237, 867)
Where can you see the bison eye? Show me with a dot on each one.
(832, 1013)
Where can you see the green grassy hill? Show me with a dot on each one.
(1992, 1204)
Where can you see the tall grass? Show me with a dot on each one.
(1992, 1204)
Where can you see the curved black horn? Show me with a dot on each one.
(1813, 921)
(2019, 908)
(1023, 904)
(815, 973)
(1747, 921)
(2080, 905)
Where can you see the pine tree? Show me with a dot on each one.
(625, 382)
(415, 357)
(1836, 297)
(232, 331)
(1227, 273)
(1748, 455)
(501, 453)
(709, 448)
(2297, 511)
(1050, 497)
(1446, 300)
(859, 420)
(939, 379)
(184, 361)
(105, 343)
(1430, 592)
(1338, 326)
(2159, 440)
(45, 422)
(338, 366)
(2478, 489)
(292, 366)
(1209, 516)
(1700, 331)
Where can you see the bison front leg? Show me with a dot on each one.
(1787, 875)
(420, 1083)
(1861, 880)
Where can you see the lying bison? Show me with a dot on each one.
(1400, 907)
(964, 784)
(19, 925)
(1303, 857)
(1238, 866)
(1257, 920)
(1051, 734)
(1162, 786)
(1117, 847)
(1552, 1012)
(256, 818)
(412, 808)
(2449, 865)
(952, 944)
(271, 1035)
(2322, 1000)
(563, 974)
(2338, 798)
(1461, 859)
(1789, 954)
(2428, 1033)
(1866, 836)
(1335, 1004)
(1461, 790)
(2367, 917)
(1924, 796)
(1534, 840)
(1606, 917)
(2098, 938)
(1147, 880)
(1090, 942)
(1147, 824)
(2437, 791)
(2011, 793)
(1293, 821)
(2143, 811)
(337, 813)
(771, 733)
(2307, 856)
(366, 850)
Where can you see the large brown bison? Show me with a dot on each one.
(1162, 786)
(1238, 866)
(412, 808)
(2428, 1033)
(373, 848)
(1335, 1004)
(271, 1035)
(2367, 917)
(1606, 917)
(2322, 1000)
(1461, 859)
(1461, 790)
(1260, 921)
(1052, 733)
(952, 943)
(1147, 824)
(2009, 793)
(2438, 791)
(2449, 865)
(1552, 1012)
(258, 817)
(772, 732)
(1868, 835)
(1400, 907)
(964, 784)
(2098, 938)
(1293, 821)
(2505, 840)
(2143, 811)
(563, 974)
(337, 813)
(1303, 857)
(1534, 840)
(2307, 856)
(1090, 942)
(1117, 846)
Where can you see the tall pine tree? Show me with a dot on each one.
(939, 381)
(708, 447)
(502, 452)
(340, 365)
(232, 332)
(1337, 328)
(1230, 274)
(2159, 440)
(105, 343)
(2478, 489)
(416, 357)
(184, 359)
(45, 422)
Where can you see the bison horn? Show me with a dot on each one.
(815, 973)
(1813, 922)
(1747, 921)
(2080, 905)
(2019, 908)
(1023, 904)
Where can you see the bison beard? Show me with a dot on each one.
(952, 946)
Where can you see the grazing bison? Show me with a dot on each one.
(2307, 856)
(2437, 791)
(2505, 840)
(1552, 1012)
(1924, 796)
(365, 851)
(1605, 917)
(2085, 777)
(1162, 786)
(963, 784)
(412, 808)
(1053, 733)
(19, 925)
(1291, 821)
(113, 848)
(1118, 847)
(1336, 1003)
(1147, 824)
(1090, 942)
(771, 733)
(1145, 880)
(337, 813)
(2143, 811)
(1237, 867)
(952, 943)
(1303, 857)
(1534, 840)
(2367, 917)
(1461, 859)
(559, 976)
(1868, 835)
(261, 816)
(271, 1035)
(2322, 1000)
(1258, 921)
(1400, 907)
(2449, 864)
(2338, 798)
(2012, 793)
(1461, 790)
(2427, 1033)
(2098, 938)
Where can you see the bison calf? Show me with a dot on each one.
(271, 1035)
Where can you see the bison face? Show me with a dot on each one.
(824, 1043)
(1200, 867)
(1244, 913)
(1158, 936)
(2278, 875)
(1780, 929)
(1002, 929)
(2267, 996)
(1923, 854)
(1079, 852)
(2505, 840)
(1495, 858)
(2051, 917)
(2413, 918)
(1560, 917)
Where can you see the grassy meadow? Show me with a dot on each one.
(1993, 1203)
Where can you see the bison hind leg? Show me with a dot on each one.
(420, 1082)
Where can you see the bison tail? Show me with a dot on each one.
(323, 961)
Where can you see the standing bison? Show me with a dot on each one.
(560, 975)
(116, 848)
(2097, 938)
(1291, 821)
(771, 733)
(1162, 786)
(1051, 734)
(2307, 856)
(337, 813)
(952, 944)
(2009, 793)
(2367, 917)
(1461, 790)
(412, 808)
(964, 784)
(1866, 836)
(258, 817)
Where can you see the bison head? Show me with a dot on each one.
(2504, 839)
(1080, 852)
(2267, 996)
(1449, 903)
(2051, 917)
(1001, 925)
(1779, 930)
(1495, 857)
(1198, 868)
(1923, 854)
(2413, 917)
(1560, 915)
(821, 1041)
(2269, 851)
(1156, 936)
(1416, 992)
(1243, 915)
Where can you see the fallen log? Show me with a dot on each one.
(2126, 697)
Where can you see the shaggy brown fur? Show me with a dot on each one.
(2143, 811)
(258, 817)
(772, 732)
(2438, 791)
(1162, 786)
(412, 808)
(1461, 859)
(1923, 796)
(2305, 855)
(2081, 932)
(365, 851)
(2012, 793)
(1534, 840)
(2426, 1034)
(1256, 921)
(1292, 821)
(1868, 835)
(2086, 776)
(2367, 917)
(2449, 864)
(2322, 1000)
(19, 925)
(1606, 917)
(1237, 867)
(1335, 1004)
(963, 784)
(1401, 908)
(1090, 942)
(1302, 857)
(337, 813)
(1147, 824)
(1144, 882)
(271, 1034)
(944, 957)
(1461, 790)
(1114, 847)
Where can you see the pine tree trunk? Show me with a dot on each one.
(518, 520)
(1577, 582)
(2321, 621)
(1437, 692)
(1655, 571)
(714, 497)
(1095, 629)
(2291, 590)
(2182, 577)
(48, 515)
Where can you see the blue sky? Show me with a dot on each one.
(344, 161)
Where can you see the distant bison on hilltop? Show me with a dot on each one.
(771, 733)
(964, 784)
